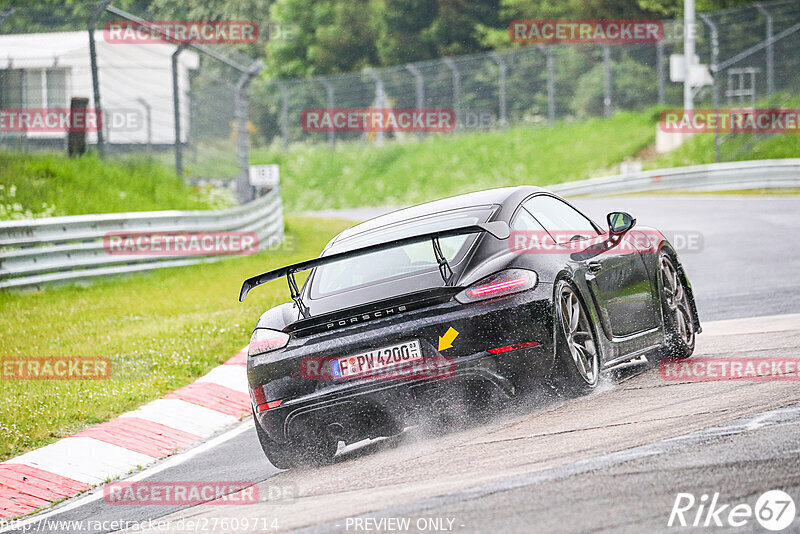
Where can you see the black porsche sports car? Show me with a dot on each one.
(472, 297)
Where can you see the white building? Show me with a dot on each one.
(45, 70)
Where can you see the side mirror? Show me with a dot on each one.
(619, 222)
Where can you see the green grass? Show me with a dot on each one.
(700, 149)
(399, 173)
(37, 185)
(739, 147)
(161, 330)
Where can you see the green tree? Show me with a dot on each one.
(405, 35)
(328, 36)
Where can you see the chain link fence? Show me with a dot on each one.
(540, 84)
(753, 53)
(199, 107)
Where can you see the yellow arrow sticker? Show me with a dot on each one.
(446, 341)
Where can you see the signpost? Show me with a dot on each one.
(267, 176)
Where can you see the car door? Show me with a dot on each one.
(613, 269)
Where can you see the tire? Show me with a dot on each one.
(281, 456)
(677, 311)
(577, 369)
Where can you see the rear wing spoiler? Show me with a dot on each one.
(498, 229)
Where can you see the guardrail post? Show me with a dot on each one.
(770, 50)
(419, 87)
(176, 111)
(456, 88)
(243, 187)
(90, 26)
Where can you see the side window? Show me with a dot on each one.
(524, 221)
(559, 217)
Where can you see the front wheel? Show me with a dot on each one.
(578, 359)
(678, 323)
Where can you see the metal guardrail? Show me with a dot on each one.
(42, 251)
(756, 174)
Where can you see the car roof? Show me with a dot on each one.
(477, 199)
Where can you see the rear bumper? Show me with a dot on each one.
(525, 317)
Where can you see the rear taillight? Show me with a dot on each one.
(269, 405)
(261, 402)
(265, 340)
(498, 285)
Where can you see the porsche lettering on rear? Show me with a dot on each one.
(366, 317)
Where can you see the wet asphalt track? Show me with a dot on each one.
(606, 462)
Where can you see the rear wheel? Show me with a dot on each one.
(307, 451)
(278, 455)
(578, 364)
(678, 324)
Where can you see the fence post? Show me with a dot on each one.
(456, 88)
(607, 108)
(148, 117)
(660, 70)
(688, 53)
(419, 86)
(243, 187)
(770, 50)
(714, 75)
(380, 101)
(93, 18)
(551, 83)
(176, 111)
(501, 85)
(284, 114)
(329, 95)
(5, 14)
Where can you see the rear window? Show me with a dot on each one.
(397, 262)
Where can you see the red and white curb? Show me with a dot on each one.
(131, 441)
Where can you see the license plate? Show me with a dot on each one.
(376, 360)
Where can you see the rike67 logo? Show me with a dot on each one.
(774, 511)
